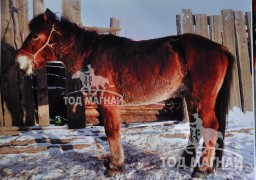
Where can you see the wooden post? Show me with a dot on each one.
(185, 116)
(114, 23)
(245, 75)
(249, 32)
(201, 25)
(25, 83)
(71, 9)
(228, 24)
(215, 28)
(178, 24)
(187, 22)
(38, 7)
(16, 105)
(42, 87)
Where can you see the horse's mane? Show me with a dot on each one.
(84, 39)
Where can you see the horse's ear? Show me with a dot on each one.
(48, 14)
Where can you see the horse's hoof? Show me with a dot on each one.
(201, 172)
(186, 161)
(112, 170)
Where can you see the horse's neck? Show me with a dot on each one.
(71, 56)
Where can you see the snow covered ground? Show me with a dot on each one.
(147, 147)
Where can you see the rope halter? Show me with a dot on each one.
(45, 45)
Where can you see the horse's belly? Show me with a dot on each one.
(155, 94)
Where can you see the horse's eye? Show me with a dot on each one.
(35, 36)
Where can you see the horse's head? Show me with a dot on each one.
(39, 46)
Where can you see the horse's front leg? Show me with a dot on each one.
(111, 120)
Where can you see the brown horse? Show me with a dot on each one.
(143, 72)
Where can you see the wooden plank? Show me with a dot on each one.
(248, 21)
(243, 62)
(101, 30)
(23, 19)
(38, 7)
(25, 83)
(36, 141)
(178, 24)
(215, 28)
(71, 9)
(228, 24)
(41, 78)
(142, 113)
(114, 23)
(10, 104)
(36, 149)
(201, 25)
(187, 22)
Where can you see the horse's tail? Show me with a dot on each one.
(223, 98)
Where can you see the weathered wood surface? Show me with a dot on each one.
(201, 27)
(248, 20)
(141, 113)
(16, 89)
(114, 23)
(187, 22)
(25, 83)
(71, 9)
(101, 30)
(36, 149)
(215, 28)
(243, 62)
(228, 24)
(10, 104)
(233, 30)
(41, 79)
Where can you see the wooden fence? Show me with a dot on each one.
(232, 29)
(29, 101)
(25, 101)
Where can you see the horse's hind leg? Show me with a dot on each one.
(188, 156)
(111, 120)
(210, 135)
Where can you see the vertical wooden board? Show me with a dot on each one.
(249, 30)
(228, 25)
(114, 23)
(23, 19)
(10, 104)
(187, 22)
(185, 115)
(41, 79)
(201, 25)
(244, 61)
(71, 9)
(25, 83)
(215, 28)
(178, 24)
(38, 7)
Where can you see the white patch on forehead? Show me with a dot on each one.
(24, 64)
